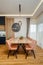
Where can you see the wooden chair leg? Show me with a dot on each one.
(9, 53)
(16, 55)
(26, 56)
(27, 52)
(15, 52)
(33, 53)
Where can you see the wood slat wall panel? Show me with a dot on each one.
(2, 27)
(8, 27)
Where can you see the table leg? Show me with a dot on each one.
(18, 47)
(23, 46)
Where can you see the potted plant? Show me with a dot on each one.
(21, 37)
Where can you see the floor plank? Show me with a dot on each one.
(21, 57)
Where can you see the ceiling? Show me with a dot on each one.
(28, 7)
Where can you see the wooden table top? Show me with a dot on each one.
(17, 40)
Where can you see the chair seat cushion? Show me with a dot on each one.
(13, 46)
(28, 47)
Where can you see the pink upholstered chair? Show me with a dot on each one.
(31, 47)
(11, 47)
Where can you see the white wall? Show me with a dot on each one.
(23, 29)
(40, 30)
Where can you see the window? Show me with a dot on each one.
(40, 27)
(33, 28)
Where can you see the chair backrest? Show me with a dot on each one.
(33, 44)
(8, 43)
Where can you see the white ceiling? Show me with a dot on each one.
(39, 11)
(11, 7)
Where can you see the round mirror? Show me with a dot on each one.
(16, 27)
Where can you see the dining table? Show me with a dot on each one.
(20, 42)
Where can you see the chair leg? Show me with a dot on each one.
(26, 55)
(16, 55)
(33, 53)
(23, 46)
(15, 52)
(9, 53)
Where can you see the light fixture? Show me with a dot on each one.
(19, 8)
(20, 22)
(16, 26)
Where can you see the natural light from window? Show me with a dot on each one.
(40, 27)
(33, 28)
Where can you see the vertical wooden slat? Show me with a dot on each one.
(8, 27)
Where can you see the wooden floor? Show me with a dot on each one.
(21, 58)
